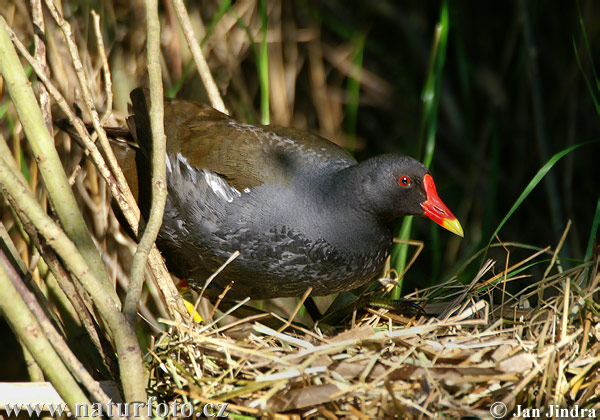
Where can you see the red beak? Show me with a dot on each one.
(437, 211)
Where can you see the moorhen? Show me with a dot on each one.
(300, 210)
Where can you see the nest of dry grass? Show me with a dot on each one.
(458, 363)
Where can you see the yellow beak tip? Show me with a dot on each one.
(453, 225)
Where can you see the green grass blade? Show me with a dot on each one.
(587, 47)
(263, 65)
(431, 95)
(223, 7)
(433, 86)
(172, 91)
(353, 91)
(585, 78)
(593, 232)
(262, 62)
(532, 184)
(591, 59)
(400, 254)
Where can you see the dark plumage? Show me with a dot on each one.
(298, 208)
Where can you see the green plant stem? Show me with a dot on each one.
(593, 231)
(532, 184)
(400, 254)
(263, 66)
(159, 151)
(431, 99)
(48, 161)
(223, 7)
(431, 93)
(57, 341)
(24, 325)
(120, 192)
(124, 337)
(74, 304)
(353, 90)
(58, 275)
(590, 56)
(35, 372)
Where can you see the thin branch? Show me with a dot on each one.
(172, 299)
(39, 47)
(48, 161)
(131, 213)
(105, 68)
(27, 329)
(60, 281)
(203, 69)
(88, 101)
(159, 151)
(57, 341)
(125, 339)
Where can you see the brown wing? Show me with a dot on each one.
(245, 155)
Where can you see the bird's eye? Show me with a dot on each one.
(404, 181)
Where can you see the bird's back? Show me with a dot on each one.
(245, 155)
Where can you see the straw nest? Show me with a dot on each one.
(458, 363)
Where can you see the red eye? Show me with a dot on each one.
(404, 181)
